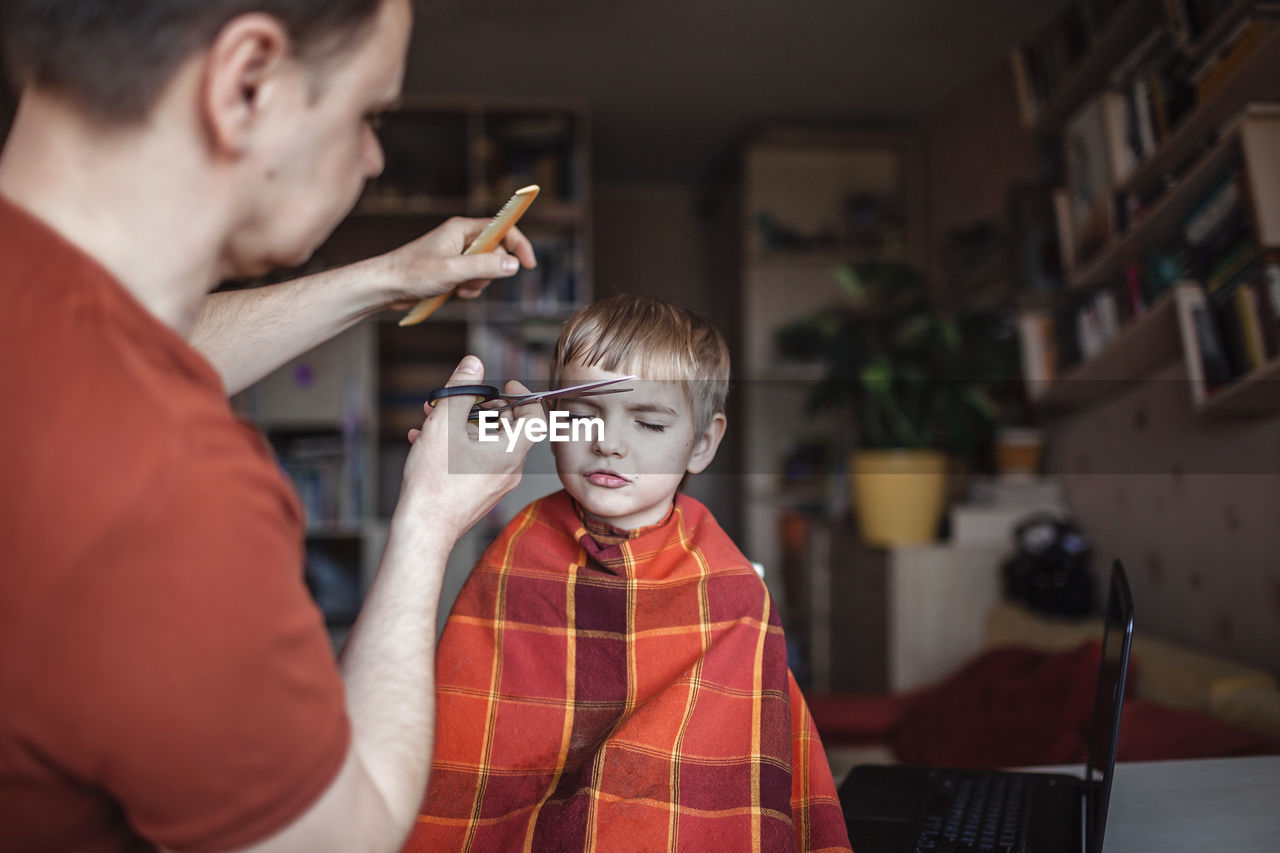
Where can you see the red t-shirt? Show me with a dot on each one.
(163, 673)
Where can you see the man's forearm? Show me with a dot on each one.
(246, 334)
(388, 665)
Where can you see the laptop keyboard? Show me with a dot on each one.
(976, 811)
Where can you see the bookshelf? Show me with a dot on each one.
(1162, 280)
(1150, 342)
(1109, 36)
(338, 415)
(1257, 78)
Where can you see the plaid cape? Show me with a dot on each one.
(617, 691)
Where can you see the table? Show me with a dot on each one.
(1196, 806)
(1201, 805)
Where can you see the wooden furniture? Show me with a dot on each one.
(1227, 122)
(893, 619)
(1163, 333)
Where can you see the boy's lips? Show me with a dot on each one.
(608, 479)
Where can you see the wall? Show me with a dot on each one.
(1192, 508)
(977, 149)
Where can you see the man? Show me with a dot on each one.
(164, 679)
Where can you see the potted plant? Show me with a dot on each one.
(919, 381)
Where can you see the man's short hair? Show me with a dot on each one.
(114, 57)
(654, 339)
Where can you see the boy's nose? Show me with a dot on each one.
(605, 445)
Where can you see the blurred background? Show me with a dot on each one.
(1029, 247)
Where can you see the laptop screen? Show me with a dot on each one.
(1104, 733)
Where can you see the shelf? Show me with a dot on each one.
(421, 205)
(1255, 393)
(1144, 345)
(543, 211)
(782, 259)
(1161, 222)
(1205, 43)
(1258, 78)
(1131, 21)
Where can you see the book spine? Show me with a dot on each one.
(1250, 325)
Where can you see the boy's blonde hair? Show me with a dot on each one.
(654, 339)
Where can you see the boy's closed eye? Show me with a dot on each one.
(652, 427)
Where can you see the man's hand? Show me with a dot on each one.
(453, 478)
(434, 263)
(246, 334)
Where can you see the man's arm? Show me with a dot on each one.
(388, 663)
(246, 334)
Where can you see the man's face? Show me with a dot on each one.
(628, 478)
(320, 147)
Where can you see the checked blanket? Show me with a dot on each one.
(621, 691)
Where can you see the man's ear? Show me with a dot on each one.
(242, 77)
(706, 444)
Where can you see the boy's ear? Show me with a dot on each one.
(706, 444)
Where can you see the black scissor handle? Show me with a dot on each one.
(484, 392)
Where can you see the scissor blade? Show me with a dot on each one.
(586, 389)
(586, 386)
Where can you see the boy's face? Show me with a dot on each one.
(628, 478)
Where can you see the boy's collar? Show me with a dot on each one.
(606, 534)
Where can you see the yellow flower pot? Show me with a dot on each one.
(898, 495)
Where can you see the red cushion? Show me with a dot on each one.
(1018, 707)
(854, 720)
(1006, 708)
(1151, 732)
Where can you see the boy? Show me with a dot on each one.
(613, 675)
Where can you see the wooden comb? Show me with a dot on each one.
(488, 239)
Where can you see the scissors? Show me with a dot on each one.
(489, 393)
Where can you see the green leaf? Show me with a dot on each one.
(851, 283)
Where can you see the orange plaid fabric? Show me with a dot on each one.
(614, 691)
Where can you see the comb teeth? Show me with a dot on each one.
(486, 241)
(503, 220)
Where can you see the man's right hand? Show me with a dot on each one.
(451, 478)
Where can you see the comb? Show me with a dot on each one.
(488, 239)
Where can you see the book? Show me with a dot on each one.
(1024, 87)
(1117, 126)
(1268, 316)
(1247, 309)
(1212, 209)
(1089, 176)
(1205, 358)
(1213, 352)
(1142, 108)
(1236, 261)
(1038, 351)
(1066, 232)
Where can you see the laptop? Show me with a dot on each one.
(892, 809)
